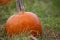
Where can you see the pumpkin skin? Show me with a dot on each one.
(23, 22)
(5, 1)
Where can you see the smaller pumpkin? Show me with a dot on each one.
(5, 1)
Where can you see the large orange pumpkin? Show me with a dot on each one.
(5, 1)
(23, 22)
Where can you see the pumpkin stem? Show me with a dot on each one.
(19, 5)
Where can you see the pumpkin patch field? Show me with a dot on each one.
(33, 20)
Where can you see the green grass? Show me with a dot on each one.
(49, 16)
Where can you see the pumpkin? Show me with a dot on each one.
(23, 22)
(5, 1)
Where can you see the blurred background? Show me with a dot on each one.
(47, 10)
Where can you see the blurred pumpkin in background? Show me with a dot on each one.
(5, 1)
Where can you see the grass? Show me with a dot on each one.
(46, 11)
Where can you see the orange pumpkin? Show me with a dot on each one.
(23, 22)
(5, 1)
